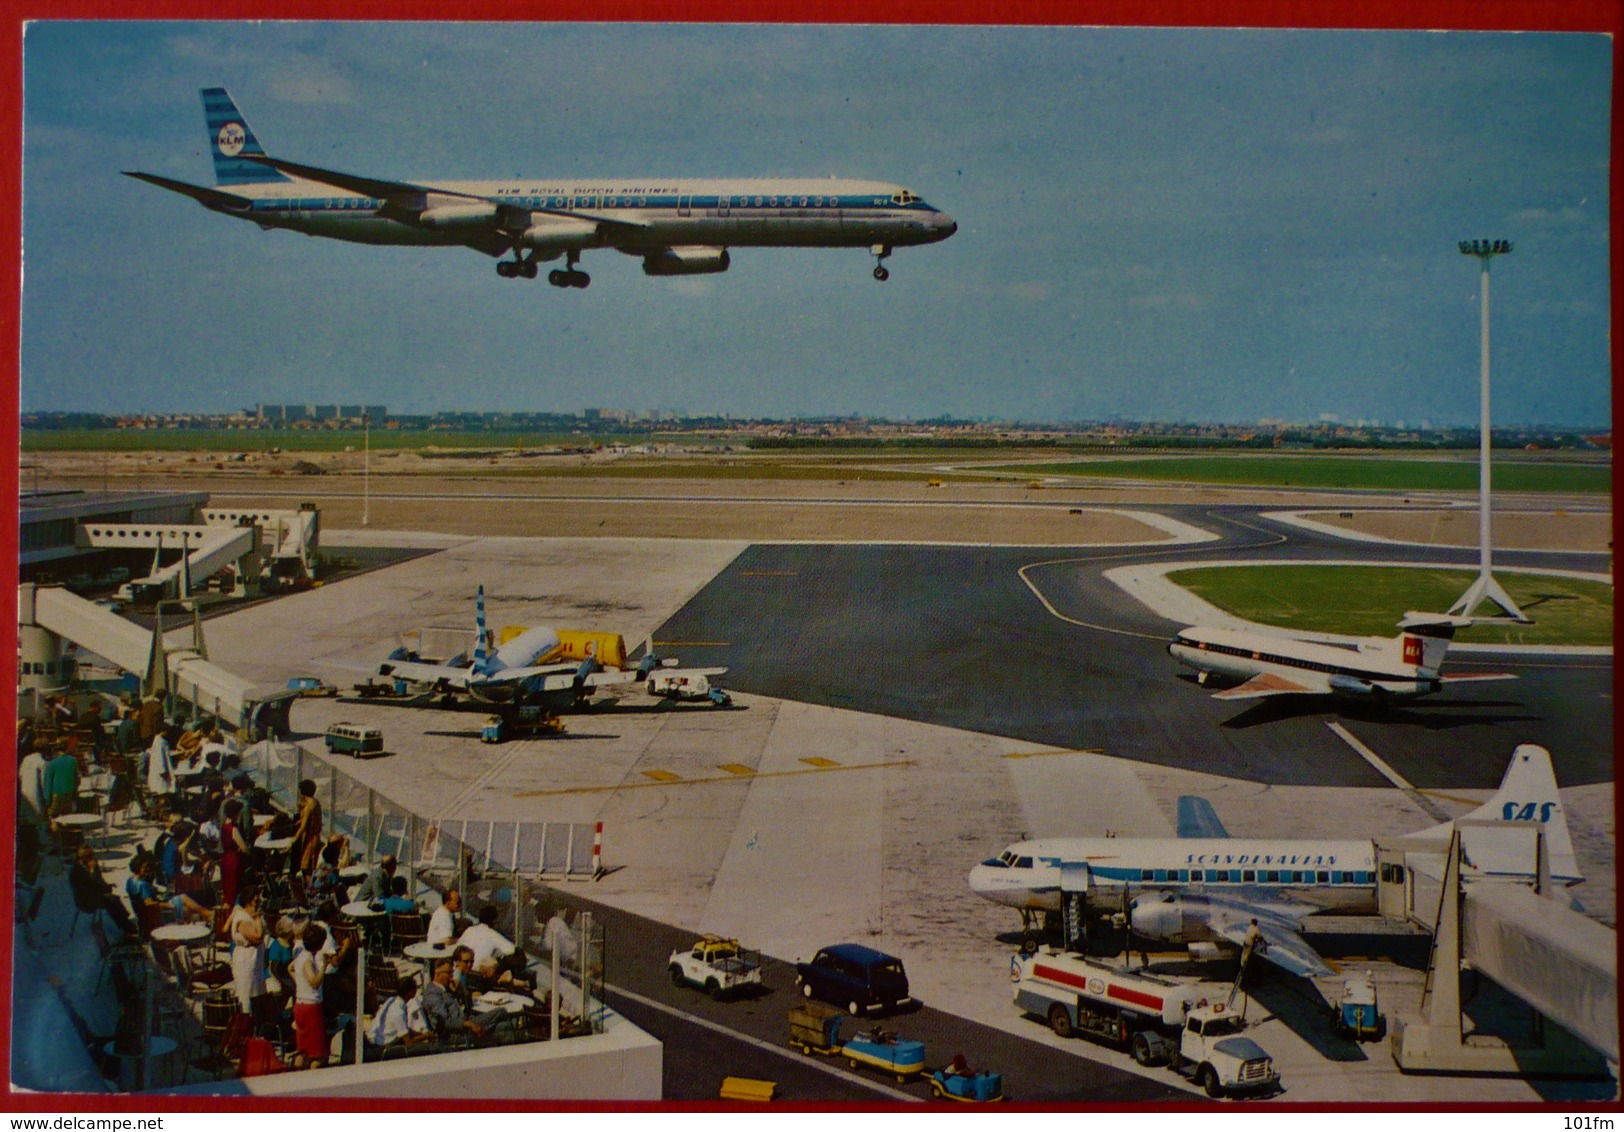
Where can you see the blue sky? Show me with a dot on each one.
(1153, 224)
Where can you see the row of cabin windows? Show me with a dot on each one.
(1257, 876)
(363, 204)
(1290, 661)
(47, 667)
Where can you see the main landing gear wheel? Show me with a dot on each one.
(569, 278)
(516, 268)
(881, 273)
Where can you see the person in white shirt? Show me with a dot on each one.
(443, 924)
(31, 774)
(160, 763)
(494, 953)
(401, 1018)
(559, 938)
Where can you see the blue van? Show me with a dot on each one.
(856, 977)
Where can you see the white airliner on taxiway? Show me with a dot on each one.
(678, 227)
(1267, 664)
(1206, 886)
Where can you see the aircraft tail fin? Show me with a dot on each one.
(482, 657)
(1425, 637)
(1527, 793)
(230, 140)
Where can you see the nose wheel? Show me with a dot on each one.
(880, 252)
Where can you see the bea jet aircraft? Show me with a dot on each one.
(677, 227)
(1270, 665)
(526, 669)
(1207, 887)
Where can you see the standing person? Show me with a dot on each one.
(127, 734)
(559, 938)
(31, 777)
(151, 720)
(60, 783)
(305, 853)
(233, 852)
(247, 929)
(90, 719)
(310, 968)
(161, 765)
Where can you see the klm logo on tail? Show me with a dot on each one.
(230, 140)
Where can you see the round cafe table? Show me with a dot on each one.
(181, 934)
(353, 872)
(79, 821)
(427, 953)
(371, 921)
(511, 1001)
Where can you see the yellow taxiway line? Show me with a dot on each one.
(673, 780)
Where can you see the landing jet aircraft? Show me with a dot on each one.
(519, 671)
(678, 227)
(1207, 887)
(1267, 664)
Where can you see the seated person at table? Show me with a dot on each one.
(91, 890)
(325, 883)
(377, 884)
(141, 890)
(169, 849)
(444, 1011)
(443, 924)
(495, 956)
(400, 1019)
(397, 900)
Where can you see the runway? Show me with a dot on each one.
(1039, 646)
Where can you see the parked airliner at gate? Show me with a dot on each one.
(678, 227)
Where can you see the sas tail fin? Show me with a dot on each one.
(229, 139)
(1527, 793)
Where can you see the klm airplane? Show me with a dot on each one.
(676, 227)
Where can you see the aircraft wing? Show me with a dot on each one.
(1270, 684)
(1198, 819)
(425, 673)
(1282, 945)
(209, 198)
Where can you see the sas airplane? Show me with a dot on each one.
(1270, 665)
(528, 668)
(677, 227)
(1206, 887)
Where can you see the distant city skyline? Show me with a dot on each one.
(1155, 224)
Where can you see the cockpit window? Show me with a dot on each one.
(905, 197)
(1023, 862)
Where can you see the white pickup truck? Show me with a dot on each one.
(718, 966)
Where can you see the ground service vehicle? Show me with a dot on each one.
(684, 686)
(815, 1028)
(957, 1082)
(858, 977)
(311, 686)
(1214, 1051)
(719, 966)
(354, 739)
(1356, 1014)
(1132, 1010)
(527, 721)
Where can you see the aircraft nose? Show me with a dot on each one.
(943, 225)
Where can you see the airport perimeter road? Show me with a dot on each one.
(955, 636)
(706, 1041)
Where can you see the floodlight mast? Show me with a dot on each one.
(1485, 588)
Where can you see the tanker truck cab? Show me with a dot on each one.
(1215, 1051)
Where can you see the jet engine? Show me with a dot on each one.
(557, 234)
(686, 261)
(446, 216)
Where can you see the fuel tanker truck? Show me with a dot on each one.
(1188, 1026)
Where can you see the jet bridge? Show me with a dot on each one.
(1560, 962)
(47, 615)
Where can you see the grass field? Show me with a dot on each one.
(1369, 600)
(300, 440)
(1341, 472)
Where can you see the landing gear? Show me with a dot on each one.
(517, 268)
(570, 276)
(880, 252)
